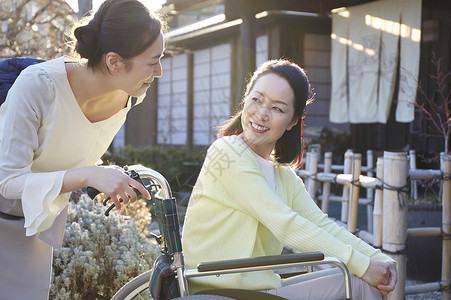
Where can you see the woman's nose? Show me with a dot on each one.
(263, 113)
(158, 70)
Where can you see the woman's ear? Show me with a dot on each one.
(114, 62)
(292, 124)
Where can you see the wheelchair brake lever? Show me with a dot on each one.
(158, 238)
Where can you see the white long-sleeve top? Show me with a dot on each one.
(43, 133)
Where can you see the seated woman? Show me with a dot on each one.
(249, 202)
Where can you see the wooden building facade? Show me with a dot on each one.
(208, 60)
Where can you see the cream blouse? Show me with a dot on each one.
(43, 133)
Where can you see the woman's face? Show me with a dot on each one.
(268, 112)
(144, 68)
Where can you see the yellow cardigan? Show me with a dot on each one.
(233, 213)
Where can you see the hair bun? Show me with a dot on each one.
(87, 41)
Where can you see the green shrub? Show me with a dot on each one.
(334, 141)
(99, 254)
(167, 160)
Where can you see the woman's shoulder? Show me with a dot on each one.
(289, 174)
(229, 151)
(56, 63)
(45, 71)
(231, 145)
(36, 84)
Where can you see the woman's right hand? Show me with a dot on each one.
(382, 275)
(112, 181)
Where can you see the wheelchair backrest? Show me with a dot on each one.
(168, 223)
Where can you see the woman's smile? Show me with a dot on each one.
(258, 128)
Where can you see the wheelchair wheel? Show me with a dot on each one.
(203, 297)
(137, 288)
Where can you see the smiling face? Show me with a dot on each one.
(139, 71)
(267, 113)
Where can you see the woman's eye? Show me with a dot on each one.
(278, 109)
(255, 99)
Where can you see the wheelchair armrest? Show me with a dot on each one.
(259, 261)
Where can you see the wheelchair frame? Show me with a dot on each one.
(219, 267)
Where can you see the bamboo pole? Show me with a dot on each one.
(326, 185)
(394, 207)
(370, 182)
(346, 170)
(307, 161)
(424, 231)
(425, 174)
(335, 198)
(369, 192)
(413, 167)
(377, 213)
(354, 193)
(423, 288)
(313, 169)
(446, 225)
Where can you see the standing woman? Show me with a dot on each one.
(249, 202)
(59, 117)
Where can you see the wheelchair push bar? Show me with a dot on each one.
(140, 174)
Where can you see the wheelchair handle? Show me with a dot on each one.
(147, 173)
(137, 172)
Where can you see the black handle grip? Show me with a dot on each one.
(92, 192)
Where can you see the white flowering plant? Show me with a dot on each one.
(99, 254)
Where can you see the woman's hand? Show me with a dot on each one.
(381, 275)
(385, 289)
(112, 181)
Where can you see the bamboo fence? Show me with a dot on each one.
(387, 196)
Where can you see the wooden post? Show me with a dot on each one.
(307, 165)
(394, 236)
(313, 170)
(413, 183)
(354, 192)
(247, 45)
(446, 225)
(369, 192)
(326, 185)
(377, 213)
(346, 170)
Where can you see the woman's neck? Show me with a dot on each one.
(264, 151)
(96, 98)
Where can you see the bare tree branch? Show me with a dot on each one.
(438, 112)
(35, 28)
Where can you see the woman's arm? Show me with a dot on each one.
(306, 207)
(110, 180)
(235, 169)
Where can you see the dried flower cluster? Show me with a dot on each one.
(99, 254)
(139, 212)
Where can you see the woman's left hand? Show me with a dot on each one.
(381, 275)
(385, 289)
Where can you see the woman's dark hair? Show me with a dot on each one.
(289, 148)
(125, 27)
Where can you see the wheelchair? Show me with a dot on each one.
(169, 272)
